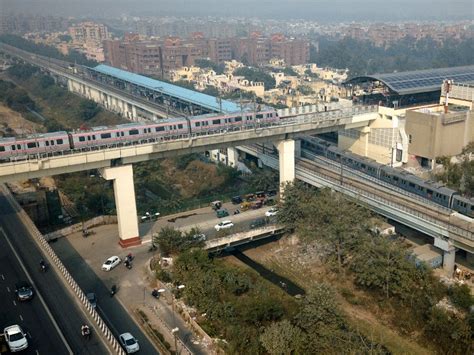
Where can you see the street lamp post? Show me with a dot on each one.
(175, 329)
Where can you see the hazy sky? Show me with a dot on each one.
(322, 10)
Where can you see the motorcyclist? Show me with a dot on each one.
(86, 332)
(155, 293)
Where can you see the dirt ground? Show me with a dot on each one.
(301, 264)
(16, 122)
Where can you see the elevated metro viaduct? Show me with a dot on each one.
(449, 232)
(135, 97)
(115, 162)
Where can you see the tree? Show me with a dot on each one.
(305, 90)
(289, 71)
(88, 109)
(450, 333)
(172, 241)
(382, 263)
(327, 217)
(264, 180)
(282, 338)
(208, 64)
(256, 75)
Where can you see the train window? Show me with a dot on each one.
(429, 192)
(363, 166)
(122, 133)
(105, 135)
(32, 145)
(180, 126)
(259, 116)
(160, 129)
(81, 139)
(47, 143)
(13, 147)
(238, 119)
(59, 141)
(133, 132)
(198, 124)
(472, 208)
(411, 184)
(2, 148)
(395, 178)
(249, 118)
(52, 142)
(93, 137)
(216, 121)
(117, 134)
(88, 138)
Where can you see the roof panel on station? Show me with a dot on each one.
(207, 101)
(419, 81)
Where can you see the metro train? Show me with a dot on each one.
(430, 190)
(54, 143)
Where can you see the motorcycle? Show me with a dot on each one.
(155, 293)
(128, 264)
(86, 332)
(42, 266)
(236, 211)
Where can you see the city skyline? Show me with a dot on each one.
(319, 10)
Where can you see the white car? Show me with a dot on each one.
(129, 343)
(110, 263)
(223, 225)
(271, 212)
(15, 338)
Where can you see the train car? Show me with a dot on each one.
(363, 164)
(463, 205)
(22, 148)
(130, 132)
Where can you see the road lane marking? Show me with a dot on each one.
(8, 289)
(3, 277)
(21, 317)
(14, 303)
(48, 312)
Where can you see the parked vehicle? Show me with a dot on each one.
(223, 225)
(271, 212)
(236, 200)
(216, 205)
(200, 237)
(110, 263)
(222, 213)
(15, 338)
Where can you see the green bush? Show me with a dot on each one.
(460, 296)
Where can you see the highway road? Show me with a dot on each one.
(52, 319)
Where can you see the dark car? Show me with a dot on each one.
(91, 297)
(24, 291)
(272, 193)
(222, 213)
(237, 200)
(257, 223)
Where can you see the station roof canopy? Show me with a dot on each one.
(419, 81)
(187, 95)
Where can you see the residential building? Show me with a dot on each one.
(88, 31)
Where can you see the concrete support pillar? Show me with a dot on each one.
(134, 113)
(124, 192)
(232, 157)
(286, 150)
(449, 261)
(449, 254)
